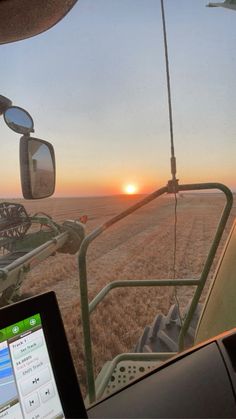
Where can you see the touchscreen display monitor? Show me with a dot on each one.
(27, 383)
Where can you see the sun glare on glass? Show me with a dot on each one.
(130, 189)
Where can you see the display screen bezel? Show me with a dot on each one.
(58, 349)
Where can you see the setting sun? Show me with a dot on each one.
(130, 189)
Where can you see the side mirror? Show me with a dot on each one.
(19, 120)
(37, 166)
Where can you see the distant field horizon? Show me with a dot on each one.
(204, 192)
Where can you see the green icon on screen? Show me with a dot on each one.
(33, 322)
(15, 330)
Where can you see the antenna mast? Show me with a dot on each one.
(174, 182)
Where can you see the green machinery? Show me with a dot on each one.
(26, 240)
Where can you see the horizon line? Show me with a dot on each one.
(111, 195)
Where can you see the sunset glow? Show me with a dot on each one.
(114, 138)
(130, 189)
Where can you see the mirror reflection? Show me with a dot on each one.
(19, 120)
(41, 169)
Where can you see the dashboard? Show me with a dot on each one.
(200, 383)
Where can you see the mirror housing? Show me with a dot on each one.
(37, 167)
(4, 103)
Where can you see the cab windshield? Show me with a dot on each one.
(95, 86)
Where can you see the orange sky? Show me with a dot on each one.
(96, 87)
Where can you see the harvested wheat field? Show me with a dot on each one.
(139, 247)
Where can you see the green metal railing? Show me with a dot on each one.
(87, 308)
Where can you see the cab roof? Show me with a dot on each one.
(20, 19)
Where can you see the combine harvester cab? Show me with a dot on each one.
(24, 248)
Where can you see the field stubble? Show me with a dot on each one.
(139, 247)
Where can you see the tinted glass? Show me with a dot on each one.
(18, 120)
(41, 169)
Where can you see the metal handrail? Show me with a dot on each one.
(86, 308)
(139, 283)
